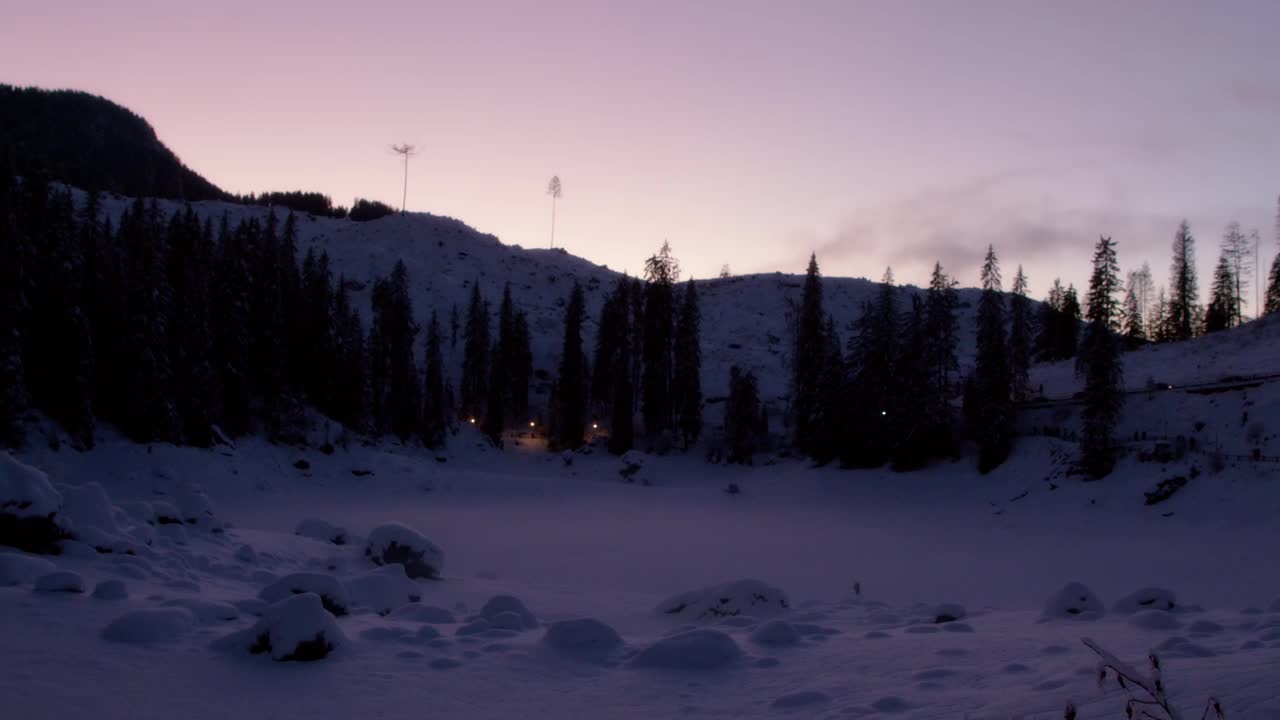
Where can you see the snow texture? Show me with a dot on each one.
(25, 492)
(110, 590)
(296, 628)
(424, 614)
(499, 609)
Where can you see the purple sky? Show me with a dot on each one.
(746, 133)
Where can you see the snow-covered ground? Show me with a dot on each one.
(575, 542)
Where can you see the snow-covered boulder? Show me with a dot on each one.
(321, 530)
(692, 650)
(326, 587)
(146, 627)
(110, 590)
(1074, 602)
(775, 633)
(427, 614)
(195, 508)
(394, 543)
(1150, 598)
(948, 612)
(59, 581)
(384, 589)
(87, 511)
(29, 507)
(743, 597)
(583, 639)
(632, 464)
(19, 569)
(499, 608)
(296, 628)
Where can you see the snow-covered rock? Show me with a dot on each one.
(498, 606)
(703, 649)
(110, 590)
(948, 612)
(296, 628)
(1150, 598)
(29, 507)
(428, 614)
(318, 529)
(743, 597)
(19, 569)
(89, 513)
(196, 509)
(326, 587)
(1074, 602)
(384, 589)
(152, 625)
(246, 554)
(59, 581)
(583, 639)
(775, 633)
(394, 543)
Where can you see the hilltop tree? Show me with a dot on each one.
(1222, 301)
(661, 272)
(570, 413)
(988, 404)
(1238, 251)
(1184, 293)
(686, 381)
(873, 388)
(808, 359)
(1132, 312)
(1020, 336)
(1100, 364)
(939, 352)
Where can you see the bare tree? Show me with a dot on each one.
(553, 189)
(407, 151)
(1235, 246)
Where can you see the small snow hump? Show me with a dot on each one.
(297, 628)
(321, 530)
(692, 650)
(150, 626)
(384, 589)
(326, 587)
(110, 590)
(1074, 602)
(775, 633)
(948, 612)
(29, 508)
(583, 639)
(394, 543)
(499, 605)
(1150, 598)
(1154, 620)
(19, 569)
(60, 581)
(742, 597)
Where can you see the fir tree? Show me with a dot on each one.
(661, 273)
(741, 416)
(1020, 337)
(939, 354)
(873, 381)
(399, 389)
(1223, 302)
(475, 358)
(807, 361)
(1184, 290)
(496, 402)
(434, 414)
(521, 369)
(1100, 364)
(686, 385)
(1238, 251)
(1273, 288)
(351, 400)
(1135, 328)
(570, 413)
(622, 404)
(613, 342)
(988, 406)
(13, 310)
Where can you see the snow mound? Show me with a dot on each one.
(87, 511)
(1154, 620)
(384, 589)
(948, 612)
(584, 639)
(394, 543)
(703, 649)
(743, 597)
(1180, 647)
(110, 590)
(321, 530)
(17, 569)
(1145, 599)
(296, 628)
(428, 614)
(145, 627)
(498, 607)
(775, 633)
(206, 612)
(246, 554)
(331, 592)
(60, 581)
(1074, 602)
(28, 506)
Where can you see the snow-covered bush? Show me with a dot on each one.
(318, 529)
(691, 650)
(29, 507)
(1150, 598)
(742, 597)
(1074, 602)
(326, 587)
(384, 589)
(583, 639)
(1148, 696)
(296, 628)
(153, 625)
(394, 543)
(60, 581)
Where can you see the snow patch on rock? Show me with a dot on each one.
(1074, 602)
(383, 590)
(326, 587)
(1150, 598)
(322, 530)
(394, 543)
(743, 597)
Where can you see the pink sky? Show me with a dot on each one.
(747, 133)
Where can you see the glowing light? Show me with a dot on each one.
(530, 423)
(595, 426)
(472, 421)
(882, 412)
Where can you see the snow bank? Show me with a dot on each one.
(394, 543)
(1150, 598)
(499, 609)
(60, 581)
(743, 597)
(1074, 602)
(145, 627)
(583, 639)
(331, 592)
(29, 505)
(691, 650)
(18, 569)
(383, 590)
(321, 530)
